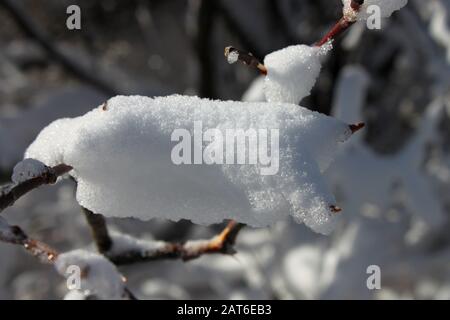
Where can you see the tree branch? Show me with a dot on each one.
(343, 24)
(10, 193)
(42, 251)
(142, 251)
(149, 251)
(99, 230)
(15, 235)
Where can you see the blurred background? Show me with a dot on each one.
(393, 180)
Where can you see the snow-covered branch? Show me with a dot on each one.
(125, 249)
(99, 277)
(355, 10)
(233, 55)
(31, 179)
(128, 250)
(34, 31)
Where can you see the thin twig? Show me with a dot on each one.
(343, 24)
(233, 55)
(222, 243)
(337, 29)
(15, 235)
(99, 230)
(356, 127)
(10, 193)
(42, 251)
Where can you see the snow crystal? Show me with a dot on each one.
(122, 161)
(98, 275)
(232, 57)
(387, 7)
(27, 169)
(292, 72)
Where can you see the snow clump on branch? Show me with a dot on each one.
(122, 160)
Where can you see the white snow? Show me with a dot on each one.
(292, 72)
(232, 57)
(18, 131)
(126, 243)
(27, 169)
(122, 162)
(99, 276)
(403, 172)
(387, 7)
(255, 92)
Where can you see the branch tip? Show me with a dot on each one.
(335, 209)
(356, 127)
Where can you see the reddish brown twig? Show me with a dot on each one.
(233, 55)
(10, 193)
(348, 19)
(337, 29)
(343, 24)
(15, 235)
(222, 243)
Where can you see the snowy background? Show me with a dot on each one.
(393, 180)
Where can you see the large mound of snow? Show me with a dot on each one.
(121, 154)
(292, 72)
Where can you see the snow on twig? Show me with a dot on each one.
(10, 193)
(128, 250)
